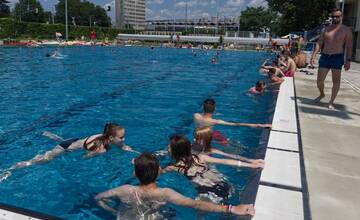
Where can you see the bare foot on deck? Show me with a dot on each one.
(318, 99)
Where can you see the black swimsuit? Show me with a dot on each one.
(66, 144)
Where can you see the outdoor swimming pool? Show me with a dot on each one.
(152, 93)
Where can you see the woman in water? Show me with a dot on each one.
(202, 143)
(94, 145)
(207, 181)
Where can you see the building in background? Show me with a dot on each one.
(351, 18)
(130, 14)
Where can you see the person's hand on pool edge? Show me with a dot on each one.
(264, 126)
(243, 210)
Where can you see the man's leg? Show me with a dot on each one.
(322, 73)
(336, 79)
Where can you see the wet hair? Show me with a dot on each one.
(47, 55)
(203, 138)
(260, 83)
(146, 168)
(272, 70)
(110, 130)
(209, 105)
(180, 150)
(275, 62)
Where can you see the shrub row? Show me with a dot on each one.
(9, 28)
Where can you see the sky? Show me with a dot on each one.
(169, 9)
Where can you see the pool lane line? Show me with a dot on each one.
(57, 118)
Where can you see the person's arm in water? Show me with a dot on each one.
(176, 198)
(222, 122)
(319, 45)
(348, 48)
(232, 156)
(264, 64)
(236, 163)
(103, 199)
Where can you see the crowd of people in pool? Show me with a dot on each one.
(283, 65)
(189, 159)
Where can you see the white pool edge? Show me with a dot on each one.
(282, 192)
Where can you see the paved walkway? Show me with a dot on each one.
(331, 146)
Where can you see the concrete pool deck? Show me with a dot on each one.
(313, 172)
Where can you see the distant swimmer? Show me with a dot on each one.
(95, 144)
(56, 54)
(214, 60)
(259, 88)
(193, 52)
(145, 201)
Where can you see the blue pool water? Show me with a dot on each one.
(152, 93)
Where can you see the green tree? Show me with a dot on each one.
(4, 8)
(257, 19)
(300, 15)
(82, 12)
(29, 10)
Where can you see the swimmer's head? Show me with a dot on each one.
(209, 105)
(179, 147)
(48, 55)
(286, 54)
(203, 137)
(146, 168)
(260, 86)
(272, 70)
(114, 133)
(275, 63)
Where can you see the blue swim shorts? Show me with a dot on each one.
(331, 61)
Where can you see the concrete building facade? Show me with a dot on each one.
(351, 18)
(130, 14)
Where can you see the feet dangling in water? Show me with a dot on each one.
(318, 99)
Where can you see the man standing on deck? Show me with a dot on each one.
(335, 43)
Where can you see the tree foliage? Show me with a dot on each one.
(82, 12)
(29, 10)
(257, 19)
(4, 8)
(300, 15)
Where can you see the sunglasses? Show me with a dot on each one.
(335, 16)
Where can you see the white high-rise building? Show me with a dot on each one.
(130, 13)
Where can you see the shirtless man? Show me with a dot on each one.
(335, 44)
(147, 198)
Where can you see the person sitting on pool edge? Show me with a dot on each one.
(259, 88)
(147, 198)
(205, 119)
(94, 144)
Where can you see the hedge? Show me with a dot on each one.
(10, 28)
